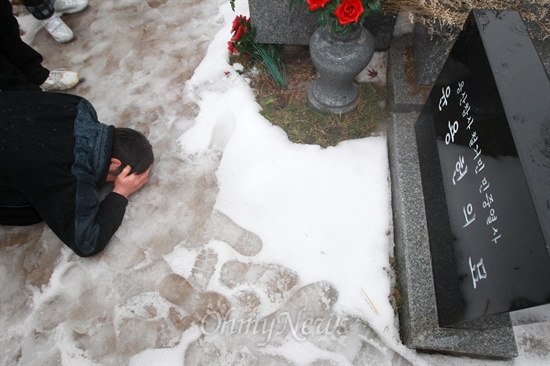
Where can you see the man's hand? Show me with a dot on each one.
(126, 184)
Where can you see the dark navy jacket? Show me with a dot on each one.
(54, 155)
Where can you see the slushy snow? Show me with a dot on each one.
(243, 248)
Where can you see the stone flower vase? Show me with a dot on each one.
(338, 59)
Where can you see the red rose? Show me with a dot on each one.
(317, 4)
(349, 11)
(235, 24)
(231, 48)
(239, 33)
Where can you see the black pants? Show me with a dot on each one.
(20, 65)
(15, 209)
(19, 216)
(40, 9)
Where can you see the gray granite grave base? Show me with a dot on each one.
(488, 338)
(404, 93)
(431, 52)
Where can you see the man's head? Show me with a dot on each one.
(130, 148)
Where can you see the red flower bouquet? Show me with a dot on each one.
(344, 13)
(242, 36)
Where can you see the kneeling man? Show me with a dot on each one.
(54, 157)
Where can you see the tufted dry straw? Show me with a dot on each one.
(448, 15)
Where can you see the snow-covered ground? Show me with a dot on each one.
(243, 248)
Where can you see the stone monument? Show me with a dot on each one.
(470, 180)
(485, 164)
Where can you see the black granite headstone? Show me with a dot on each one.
(484, 149)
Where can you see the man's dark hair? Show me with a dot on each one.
(132, 148)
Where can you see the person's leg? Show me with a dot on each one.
(11, 78)
(20, 65)
(40, 9)
(15, 210)
(44, 10)
(19, 216)
(70, 6)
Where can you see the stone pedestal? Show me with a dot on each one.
(430, 52)
(492, 337)
(404, 93)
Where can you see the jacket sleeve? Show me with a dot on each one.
(95, 222)
(106, 222)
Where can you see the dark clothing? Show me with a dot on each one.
(40, 9)
(54, 154)
(20, 65)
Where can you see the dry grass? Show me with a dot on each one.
(303, 124)
(447, 15)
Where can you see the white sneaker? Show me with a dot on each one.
(70, 6)
(58, 29)
(60, 79)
